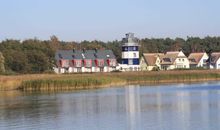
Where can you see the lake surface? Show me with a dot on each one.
(167, 107)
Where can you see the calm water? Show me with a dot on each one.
(167, 107)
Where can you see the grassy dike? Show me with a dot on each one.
(66, 82)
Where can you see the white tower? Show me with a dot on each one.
(130, 53)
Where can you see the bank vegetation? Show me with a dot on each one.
(66, 82)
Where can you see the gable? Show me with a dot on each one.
(181, 54)
(151, 58)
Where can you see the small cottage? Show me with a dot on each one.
(150, 61)
(174, 60)
(198, 60)
(214, 60)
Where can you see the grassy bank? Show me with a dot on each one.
(53, 82)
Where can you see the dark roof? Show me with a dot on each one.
(85, 54)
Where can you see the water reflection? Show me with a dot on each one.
(132, 107)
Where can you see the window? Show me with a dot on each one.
(130, 62)
(134, 48)
(65, 63)
(112, 62)
(179, 66)
(192, 60)
(77, 63)
(100, 63)
(179, 59)
(182, 59)
(166, 59)
(88, 63)
(124, 48)
(135, 55)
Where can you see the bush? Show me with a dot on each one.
(156, 69)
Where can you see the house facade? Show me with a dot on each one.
(198, 60)
(77, 61)
(214, 60)
(174, 60)
(150, 61)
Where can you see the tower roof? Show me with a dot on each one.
(130, 40)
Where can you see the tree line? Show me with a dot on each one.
(37, 56)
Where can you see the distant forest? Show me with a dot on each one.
(37, 56)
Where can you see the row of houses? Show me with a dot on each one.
(178, 60)
(76, 61)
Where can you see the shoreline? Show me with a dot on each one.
(69, 82)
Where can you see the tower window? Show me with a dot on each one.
(130, 62)
(135, 55)
(134, 48)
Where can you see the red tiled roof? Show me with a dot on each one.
(215, 56)
(194, 58)
(151, 58)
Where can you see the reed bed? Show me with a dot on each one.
(65, 82)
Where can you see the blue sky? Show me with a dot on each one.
(76, 20)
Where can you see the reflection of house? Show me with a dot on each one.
(198, 60)
(150, 61)
(71, 61)
(214, 61)
(174, 60)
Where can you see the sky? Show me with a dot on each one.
(108, 20)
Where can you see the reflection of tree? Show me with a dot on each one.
(31, 109)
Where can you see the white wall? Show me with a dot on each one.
(201, 63)
(130, 54)
(218, 64)
(182, 63)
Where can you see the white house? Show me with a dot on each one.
(198, 60)
(149, 61)
(174, 60)
(214, 60)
